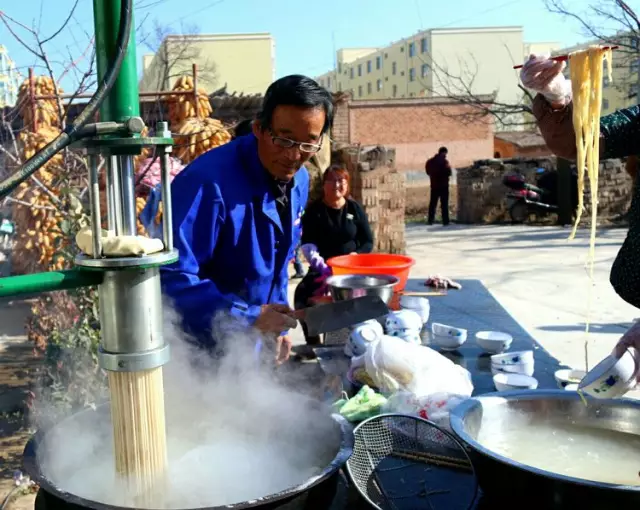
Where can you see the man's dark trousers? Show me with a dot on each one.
(442, 194)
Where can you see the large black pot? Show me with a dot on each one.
(508, 484)
(316, 493)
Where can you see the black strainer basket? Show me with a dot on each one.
(402, 462)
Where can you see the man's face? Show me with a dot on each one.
(295, 136)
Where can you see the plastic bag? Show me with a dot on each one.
(395, 365)
(365, 404)
(435, 408)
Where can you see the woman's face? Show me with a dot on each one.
(335, 187)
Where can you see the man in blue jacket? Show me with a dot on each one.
(236, 216)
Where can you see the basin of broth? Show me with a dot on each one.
(587, 453)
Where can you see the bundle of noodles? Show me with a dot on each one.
(586, 69)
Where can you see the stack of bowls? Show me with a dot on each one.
(520, 362)
(405, 324)
(418, 304)
(361, 336)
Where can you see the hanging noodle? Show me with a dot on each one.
(586, 69)
(137, 413)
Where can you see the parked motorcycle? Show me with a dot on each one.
(541, 199)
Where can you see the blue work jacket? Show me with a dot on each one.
(234, 251)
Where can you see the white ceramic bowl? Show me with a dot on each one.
(508, 382)
(512, 358)
(519, 368)
(446, 337)
(372, 323)
(418, 304)
(567, 376)
(402, 320)
(571, 387)
(611, 377)
(493, 342)
(413, 337)
(360, 338)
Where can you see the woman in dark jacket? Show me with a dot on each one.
(619, 138)
(331, 226)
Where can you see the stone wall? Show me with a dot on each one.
(380, 188)
(482, 196)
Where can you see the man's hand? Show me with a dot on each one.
(275, 318)
(283, 349)
(631, 339)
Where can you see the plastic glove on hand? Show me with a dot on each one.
(323, 288)
(630, 340)
(543, 75)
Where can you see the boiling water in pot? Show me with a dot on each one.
(587, 453)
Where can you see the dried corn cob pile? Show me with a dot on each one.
(43, 111)
(197, 136)
(185, 106)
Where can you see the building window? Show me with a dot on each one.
(412, 74)
(339, 67)
(634, 43)
(633, 68)
(394, 68)
(386, 55)
(351, 73)
(412, 49)
(605, 81)
(402, 49)
(423, 45)
(359, 90)
(359, 69)
(605, 104)
(369, 66)
(424, 70)
(379, 85)
(378, 63)
(329, 82)
(369, 88)
(395, 90)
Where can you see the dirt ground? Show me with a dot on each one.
(417, 202)
(17, 365)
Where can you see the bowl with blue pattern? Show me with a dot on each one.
(612, 377)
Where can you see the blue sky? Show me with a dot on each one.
(306, 33)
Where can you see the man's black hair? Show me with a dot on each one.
(242, 128)
(443, 150)
(296, 90)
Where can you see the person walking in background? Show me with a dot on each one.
(439, 171)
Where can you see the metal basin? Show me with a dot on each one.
(315, 493)
(349, 286)
(504, 480)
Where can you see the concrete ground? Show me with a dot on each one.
(537, 275)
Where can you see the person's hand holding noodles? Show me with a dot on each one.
(544, 76)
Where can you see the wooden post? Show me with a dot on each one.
(32, 100)
(194, 69)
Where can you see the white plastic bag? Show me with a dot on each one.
(395, 365)
(435, 408)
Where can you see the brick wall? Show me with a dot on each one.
(380, 188)
(482, 196)
(415, 128)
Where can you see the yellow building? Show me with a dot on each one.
(245, 63)
(441, 62)
(622, 90)
(9, 79)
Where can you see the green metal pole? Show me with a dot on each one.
(123, 100)
(48, 282)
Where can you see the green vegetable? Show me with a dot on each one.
(365, 404)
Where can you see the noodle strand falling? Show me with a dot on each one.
(587, 71)
(137, 413)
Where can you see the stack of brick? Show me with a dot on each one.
(380, 189)
(482, 197)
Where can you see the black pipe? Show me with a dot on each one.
(73, 132)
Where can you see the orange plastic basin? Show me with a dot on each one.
(374, 263)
